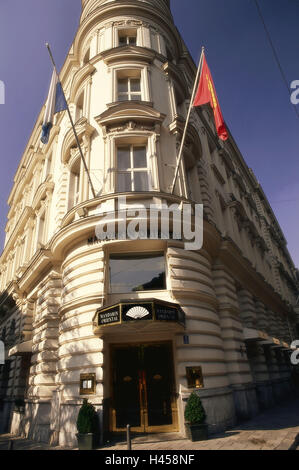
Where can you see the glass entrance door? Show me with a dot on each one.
(143, 388)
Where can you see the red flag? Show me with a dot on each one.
(206, 93)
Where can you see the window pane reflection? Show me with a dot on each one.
(135, 84)
(123, 158)
(133, 41)
(137, 273)
(135, 97)
(140, 157)
(140, 181)
(123, 85)
(124, 182)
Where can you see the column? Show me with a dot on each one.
(248, 313)
(44, 360)
(274, 372)
(261, 316)
(237, 363)
(191, 274)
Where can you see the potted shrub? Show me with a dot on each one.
(86, 426)
(195, 416)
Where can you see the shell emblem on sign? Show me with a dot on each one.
(137, 313)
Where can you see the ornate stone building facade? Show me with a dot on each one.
(221, 318)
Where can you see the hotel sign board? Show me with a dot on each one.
(168, 313)
(150, 310)
(108, 316)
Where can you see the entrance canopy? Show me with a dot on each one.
(152, 314)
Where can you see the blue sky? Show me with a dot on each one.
(254, 100)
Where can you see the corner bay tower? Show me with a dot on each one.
(136, 325)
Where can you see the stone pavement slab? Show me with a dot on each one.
(274, 429)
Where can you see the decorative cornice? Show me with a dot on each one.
(125, 54)
(241, 269)
(130, 112)
(217, 173)
(173, 72)
(83, 128)
(41, 261)
(176, 127)
(26, 214)
(79, 77)
(42, 190)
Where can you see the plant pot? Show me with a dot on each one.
(85, 441)
(197, 432)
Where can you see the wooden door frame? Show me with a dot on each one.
(144, 427)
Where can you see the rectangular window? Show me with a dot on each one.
(76, 189)
(74, 186)
(132, 172)
(48, 165)
(137, 273)
(41, 227)
(127, 37)
(129, 89)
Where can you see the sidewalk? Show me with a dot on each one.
(274, 429)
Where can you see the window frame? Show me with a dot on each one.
(41, 227)
(132, 170)
(75, 181)
(127, 33)
(129, 93)
(140, 71)
(131, 254)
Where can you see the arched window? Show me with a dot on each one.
(74, 186)
(86, 57)
(180, 101)
(41, 229)
(47, 167)
(169, 54)
(191, 178)
(80, 107)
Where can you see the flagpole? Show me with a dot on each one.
(72, 124)
(187, 121)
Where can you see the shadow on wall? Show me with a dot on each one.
(69, 366)
(54, 420)
(8, 337)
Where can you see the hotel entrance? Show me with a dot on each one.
(143, 388)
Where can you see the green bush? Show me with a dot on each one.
(86, 421)
(194, 412)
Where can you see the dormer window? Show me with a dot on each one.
(127, 37)
(129, 86)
